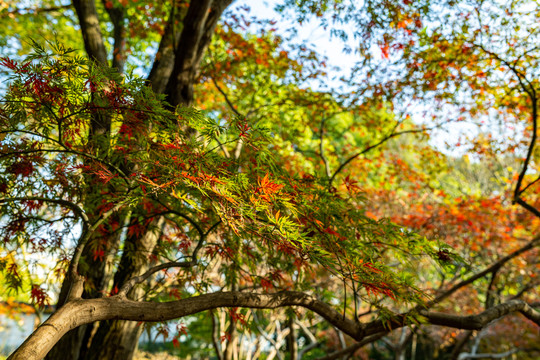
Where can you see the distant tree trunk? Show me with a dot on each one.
(231, 342)
(292, 346)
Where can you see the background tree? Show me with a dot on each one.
(270, 164)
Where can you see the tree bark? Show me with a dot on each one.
(199, 25)
(91, 31)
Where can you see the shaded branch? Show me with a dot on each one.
(215, 337)
(471, 322)
(70, 205)
(139, 279)
(164, 59)
(117, 16)
(199, 24)
(464, 356)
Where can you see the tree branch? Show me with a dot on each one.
(179, 264)
(139, 279)
(164, 59)
(464, 356)
(37, 10)
(321, 151)
(352, 348)
(79, 312)
(227, 100)
(70, 205)
(497, 265)
(87, 233)
(379, 143)
(529, 89)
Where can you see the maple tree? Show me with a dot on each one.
(224, 180)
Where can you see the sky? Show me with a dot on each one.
(310, 32)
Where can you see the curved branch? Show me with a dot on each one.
(182, 215)
(379, 143)
(139, 279)
(227, 100)
(181, 264)
(529, 89)
(79, 312)
(72, 206)
(86, 236)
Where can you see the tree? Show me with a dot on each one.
(174, 203)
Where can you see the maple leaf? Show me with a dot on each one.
(385, 50)
(267, 189)
(266, 284)
(38, 296)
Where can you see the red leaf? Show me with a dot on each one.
(38, 296)
(385, 51)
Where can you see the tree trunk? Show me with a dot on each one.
(118, 339)
(174, 72)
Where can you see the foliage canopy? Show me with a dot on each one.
(228, 181)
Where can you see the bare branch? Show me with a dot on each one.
(321, 150)
(215, 336)
(312, 339)
(497, 265)
(139, 279)
(70, 205)
(464, 356)
(392, 134)
(227, 100)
